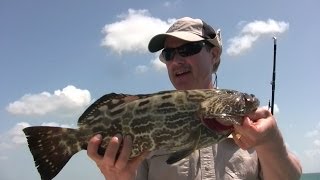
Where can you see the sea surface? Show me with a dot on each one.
(310, 176)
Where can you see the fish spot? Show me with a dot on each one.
(142, 103)
(140, 111)
(162, 137)
(166, 97)
(116, 112)
(114, 103)
(166, 105)
(126, 129)
(143, 143)
(142, 124)
(165, 108)
(98, 128)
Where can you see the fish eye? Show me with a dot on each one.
(250, 101)
(247, 97)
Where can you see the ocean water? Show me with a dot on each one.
(310, 176)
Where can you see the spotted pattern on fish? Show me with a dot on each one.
(178, 122)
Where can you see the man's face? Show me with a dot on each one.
(191, 72)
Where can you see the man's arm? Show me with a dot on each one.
(259, 131)
(276, 162)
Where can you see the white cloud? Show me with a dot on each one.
(68, 99)
(251, 32)
(154, 64)
(54, 124)
(141, 69)
(133, 31)
(241, 43)
(314, 151)
(15, 137)
(167, 4)
(172, 3)
(157, 65)
(276, 109)
(317, 143)
(313, 133)
(16, 134)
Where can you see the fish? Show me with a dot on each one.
(176, 121)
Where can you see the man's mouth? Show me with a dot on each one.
(182, 72)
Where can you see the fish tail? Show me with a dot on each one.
(51, 148)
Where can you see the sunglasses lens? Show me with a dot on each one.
(190, 49)
(168, 54)
(185, 50)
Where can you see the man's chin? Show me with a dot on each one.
(183, 82)
(184, 86)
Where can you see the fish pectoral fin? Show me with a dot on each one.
(179, 155)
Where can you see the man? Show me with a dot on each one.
(191, 52)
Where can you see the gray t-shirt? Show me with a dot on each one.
(224, 160)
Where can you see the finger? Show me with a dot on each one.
(236, 135)
(259, 114)
(93, 146)
(251, 130)
(242, 141)
(125, 153)
(245, 127)
(237, 140)
(112, 150)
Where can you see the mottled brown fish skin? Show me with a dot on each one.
(178, 122)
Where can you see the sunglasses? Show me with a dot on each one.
(185, 50)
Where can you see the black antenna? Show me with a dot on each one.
(273, 82)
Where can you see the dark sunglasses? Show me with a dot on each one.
(185, 50)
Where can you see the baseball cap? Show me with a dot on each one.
(187, 29)
(190, 30)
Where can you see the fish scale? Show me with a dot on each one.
(178, 122)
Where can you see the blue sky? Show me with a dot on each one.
(57, 57)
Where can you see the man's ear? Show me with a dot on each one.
(215, 53)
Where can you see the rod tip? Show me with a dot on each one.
(274, 39)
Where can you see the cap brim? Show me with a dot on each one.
(157, 42)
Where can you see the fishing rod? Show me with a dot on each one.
(273, 82)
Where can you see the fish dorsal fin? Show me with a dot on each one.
(179, 155)
(109, 102)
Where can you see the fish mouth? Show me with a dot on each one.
(213, 124)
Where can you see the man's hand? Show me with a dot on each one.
(257, 129)
(115, 166)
